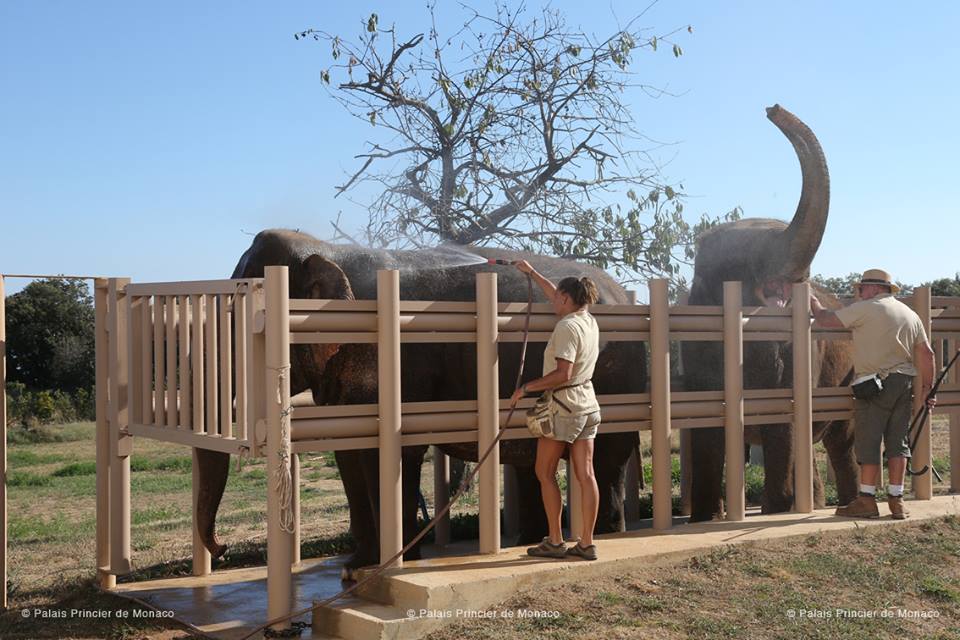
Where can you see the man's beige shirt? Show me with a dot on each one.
(575, 338)
(885, 332)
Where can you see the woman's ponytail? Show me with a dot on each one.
(582, 291)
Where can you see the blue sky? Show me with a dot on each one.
(150, 139)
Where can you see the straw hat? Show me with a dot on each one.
(878, 276)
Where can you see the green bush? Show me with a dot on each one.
(30, 408)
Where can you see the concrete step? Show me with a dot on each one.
(360, 619)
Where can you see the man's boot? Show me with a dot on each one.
(864, 506)
(897, 512)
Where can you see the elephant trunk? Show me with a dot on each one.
(802, 238)
(212, 477)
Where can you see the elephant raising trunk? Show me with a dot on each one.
(767, 255)
(802, 238)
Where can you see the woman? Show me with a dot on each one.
(568, 364)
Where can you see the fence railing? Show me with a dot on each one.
(207, 365)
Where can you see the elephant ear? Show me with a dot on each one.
(325, 279)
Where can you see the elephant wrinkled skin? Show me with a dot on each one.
(347, 374)
(767, 256)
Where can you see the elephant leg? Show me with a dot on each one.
(412, 461)
(214, 466)
(611, 454)
(533, 519)
(707, 449)
(777, 468)
(819, 499)
(363, 524)
(838, 441)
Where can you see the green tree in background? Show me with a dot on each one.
(513, 131)
(50, 336)
(945, 286)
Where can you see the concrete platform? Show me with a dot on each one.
(410, 602)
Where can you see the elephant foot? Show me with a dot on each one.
(779, 504)
(217, 550)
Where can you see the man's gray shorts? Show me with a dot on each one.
(884, 417)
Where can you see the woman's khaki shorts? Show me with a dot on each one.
(571, 428)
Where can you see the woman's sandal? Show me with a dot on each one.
(547, 549)
(588, 552)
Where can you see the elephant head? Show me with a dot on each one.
(311, 276)
(767, 256)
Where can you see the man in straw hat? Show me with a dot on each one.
(889, 347)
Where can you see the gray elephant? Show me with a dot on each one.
(767, 256)
(347, 374)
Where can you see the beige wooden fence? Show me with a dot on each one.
(206, 365)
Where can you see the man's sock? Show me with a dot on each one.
(868, 490)
(894, 490)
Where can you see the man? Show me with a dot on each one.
(888, 341)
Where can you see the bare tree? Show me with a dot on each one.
(511, 132)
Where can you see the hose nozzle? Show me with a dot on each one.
(499, 261)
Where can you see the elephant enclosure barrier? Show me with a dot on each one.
(207, 365)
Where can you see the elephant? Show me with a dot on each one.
(768, 255)
(347, 374)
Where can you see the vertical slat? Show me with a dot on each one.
(133, 354)
(488, 411)
(102, 356)
(146, 361)
(441, 495)
(186, 380)
(226, 374)
(171, 330)
(256, 359)
(686, 471)
(388, 366)
(196, 351)
(660, 403)
(922, 485)
(733, 399)
(159, 365)
(210, 357)
(802, 400)
(277, 393)
(240, 340)
(119, 443)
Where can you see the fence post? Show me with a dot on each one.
(488, 411)
(631, 498)
(3, 447)
(277, 390)
(101, 350)
(922, 486)
(441, 495)
(388, 368)
(660, 403)
(120, 443)
(733, 398)
(802, 400)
